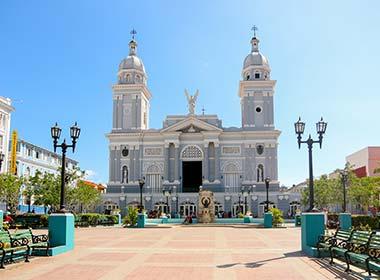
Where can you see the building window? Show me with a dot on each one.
(124, 175)
(231, 177)
(37, 155)
(29, 152)
(154, 178)
(260, 173)
(258, 109)
(257, 75)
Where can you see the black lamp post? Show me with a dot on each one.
(1, 160)
(321, 129)
(176, 200)
(267, 181)
(344, 177)
(55, 134)
(240, 210)
(245, 191)
(141, 184)
(167, 193)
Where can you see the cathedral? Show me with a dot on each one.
(192, 152)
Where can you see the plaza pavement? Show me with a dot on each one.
(181, 253)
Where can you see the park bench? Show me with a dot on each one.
(35, 242)
(358, 241)
(365, 256)
(326, 242)
(11, 248)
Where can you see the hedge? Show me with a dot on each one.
(41, 221)
(94, 219)
(363, 220)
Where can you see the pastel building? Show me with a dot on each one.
(5, 125)
(193, 150)
(31, 158)
(365, 161)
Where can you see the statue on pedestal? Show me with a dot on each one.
(206, 207)
(191, 100)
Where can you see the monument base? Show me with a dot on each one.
(61, 233)
(345, 221)
(268, 220)
(312, 226)
(140, 220)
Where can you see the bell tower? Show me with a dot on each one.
(131, 96)
(256, 90)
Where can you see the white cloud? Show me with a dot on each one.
(90, 174)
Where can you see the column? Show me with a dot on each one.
(136, 164)
(166, 162)
(132, 164)
(217, 161)
(205, 162)
(176, 162)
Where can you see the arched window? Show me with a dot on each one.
(231, 177)
(260, 173)
(154, 178)
(192, 152)
(128, 78)
(124, 174)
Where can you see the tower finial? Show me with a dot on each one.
(254, 29)
(133, 33)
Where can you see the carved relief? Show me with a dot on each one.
(155, 151)
(151, 166)
(231, 150)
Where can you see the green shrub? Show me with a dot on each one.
(131, 218)
(363, 220)
(29, 220)
(277, 216)
(95, 219)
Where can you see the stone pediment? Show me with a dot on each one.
(191, 125)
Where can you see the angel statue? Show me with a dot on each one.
(191, 100)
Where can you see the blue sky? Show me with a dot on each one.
(58, 60)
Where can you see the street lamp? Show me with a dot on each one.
(344, 177)
(245, 191)
(176, 199)
(167, 193)
(141, 185)
(267, 181)
(1, 160)
(55, 134)
(321, 129)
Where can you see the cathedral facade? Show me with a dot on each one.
(195, 151)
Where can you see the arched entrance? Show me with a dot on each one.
(294, 206)
(262, 207)
(161, 207)
(187, 208)
(191, 157)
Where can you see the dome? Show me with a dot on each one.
(255, 59)
(132, 62)
(131, 68)
(256, 65)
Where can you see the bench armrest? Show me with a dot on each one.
(40, 238)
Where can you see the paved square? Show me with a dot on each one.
(183, 253)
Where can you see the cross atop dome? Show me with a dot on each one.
(254, 29)
(133, 43)
(133, 33)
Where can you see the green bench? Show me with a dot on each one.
(365, 256)
(35, 242)
(11, 248)
(358, 242)
(326, 242)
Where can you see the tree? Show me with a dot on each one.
(324, 192)
(85, 196)
(365, 192)
(9, 190)
(47, 188)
